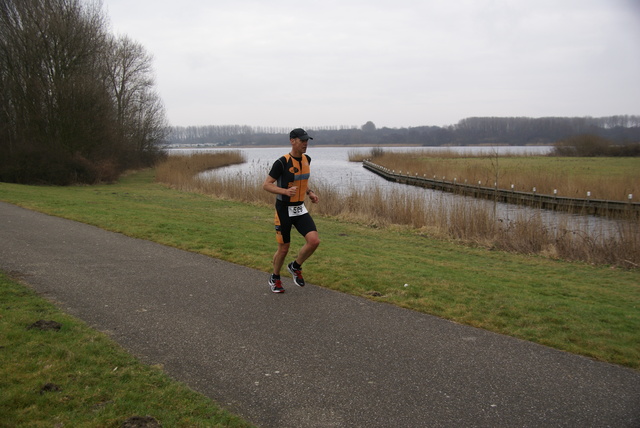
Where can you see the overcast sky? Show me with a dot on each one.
(398, 63)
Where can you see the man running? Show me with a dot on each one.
(288, 180)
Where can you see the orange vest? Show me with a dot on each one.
(296, 173)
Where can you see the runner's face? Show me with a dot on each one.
(298, 145)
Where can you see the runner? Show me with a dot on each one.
(288, 179)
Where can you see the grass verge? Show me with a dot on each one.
(77, 377)
(576, 307)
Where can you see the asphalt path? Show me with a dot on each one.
(310, 357)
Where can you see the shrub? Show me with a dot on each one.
(588, 145)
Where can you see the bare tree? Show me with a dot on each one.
(140, 113)
(55, 109)
(71, 97)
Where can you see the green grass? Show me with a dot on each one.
(587, 310)
(99, 383)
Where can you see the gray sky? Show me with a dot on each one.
(399, 63)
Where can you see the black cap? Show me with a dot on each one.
(300, 133)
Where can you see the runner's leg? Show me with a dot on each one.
(283, 237)
(312, 242)
(279, 256)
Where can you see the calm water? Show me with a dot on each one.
(331, 166)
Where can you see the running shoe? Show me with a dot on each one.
(297, 275)
(276, 285)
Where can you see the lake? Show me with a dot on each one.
(331, 164)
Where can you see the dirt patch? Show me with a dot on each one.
(141, 422)
(45, 325)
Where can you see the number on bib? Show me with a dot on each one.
(297, 210)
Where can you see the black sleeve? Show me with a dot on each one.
(277, 169)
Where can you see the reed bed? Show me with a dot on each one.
(599, 178)
(474, 223)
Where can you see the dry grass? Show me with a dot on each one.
(184, 172)
(604, 178)
(474, 223)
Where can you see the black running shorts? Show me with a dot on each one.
(303, 224)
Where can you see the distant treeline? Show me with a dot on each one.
(516, 131)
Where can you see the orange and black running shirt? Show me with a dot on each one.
(288, 172)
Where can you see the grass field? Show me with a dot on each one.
(584, 309)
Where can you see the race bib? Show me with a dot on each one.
(297, 210)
